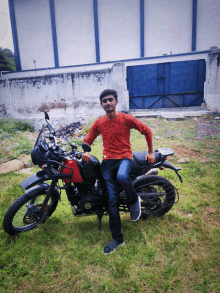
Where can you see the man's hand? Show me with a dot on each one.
(150, 158)
(86, 157)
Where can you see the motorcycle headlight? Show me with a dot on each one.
(39, 153)
(34, 157)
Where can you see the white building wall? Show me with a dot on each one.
(119, 29)
(212, 88)
(168, 27)
(75, 32)
(208, 24)
(34, 33)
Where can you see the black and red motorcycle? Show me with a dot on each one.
(84, 185)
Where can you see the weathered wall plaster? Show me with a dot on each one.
(69, 97)
(212, 87)
(72, 94)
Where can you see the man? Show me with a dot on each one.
(117, 157)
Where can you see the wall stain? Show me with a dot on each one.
(46, 79)
(24, 111)
(53, 105)
(2, 109)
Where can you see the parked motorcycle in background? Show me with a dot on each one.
(84, 186)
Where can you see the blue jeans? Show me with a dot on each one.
(113, 170)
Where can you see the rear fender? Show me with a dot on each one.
(35, 179)
(169, 166)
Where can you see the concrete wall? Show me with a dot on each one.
(69, 97)
(212, 88)
(72, 94)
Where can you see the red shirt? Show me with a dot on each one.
(116, 135)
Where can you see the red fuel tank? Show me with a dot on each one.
(76, 173)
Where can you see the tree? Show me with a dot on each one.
(7, 61)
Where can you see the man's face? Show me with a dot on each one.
(109, 103)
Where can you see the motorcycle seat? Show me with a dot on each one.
(139, 157)
(139, 161)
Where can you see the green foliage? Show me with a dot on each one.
(13, 141)
(86, 127)
(22, 146)
(10, 125)
(7, 61)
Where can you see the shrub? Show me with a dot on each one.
(11, 125)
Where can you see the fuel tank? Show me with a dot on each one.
(71, 163)
(91, 169)
(82, 170)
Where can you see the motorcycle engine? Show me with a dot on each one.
(89, 203)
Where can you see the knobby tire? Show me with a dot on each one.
(157, 195)
(27, 219)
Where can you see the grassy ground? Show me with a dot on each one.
(178, 252)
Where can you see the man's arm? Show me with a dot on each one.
(150, 156)
(146, 131)
(91, 136)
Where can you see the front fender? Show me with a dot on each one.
(40, 190)
(36, 190)
(35, 179)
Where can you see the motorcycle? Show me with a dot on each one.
(84, 186)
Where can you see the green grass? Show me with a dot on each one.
(178, 252)
(13, 139)
(10, 125)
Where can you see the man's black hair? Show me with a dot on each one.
(107, 93)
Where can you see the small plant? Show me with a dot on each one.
(23, 146)
(10, 125)
(86, 127)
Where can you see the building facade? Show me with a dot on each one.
(158, 48)
(57, 33)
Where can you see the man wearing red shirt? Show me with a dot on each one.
(117, 156)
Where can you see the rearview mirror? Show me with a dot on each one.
(86, 147)
(46, 115)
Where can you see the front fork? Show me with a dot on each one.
(49, 193)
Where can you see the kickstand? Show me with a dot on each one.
(99, 216)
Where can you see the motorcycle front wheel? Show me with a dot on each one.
(24, 213)
(157, 195)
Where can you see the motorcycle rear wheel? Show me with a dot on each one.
(157, 195)
(23, 214)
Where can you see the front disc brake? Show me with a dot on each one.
(33, 213)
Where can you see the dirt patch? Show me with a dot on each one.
(191, 154)
(210, 216)
(207, 127)
(193, 138)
